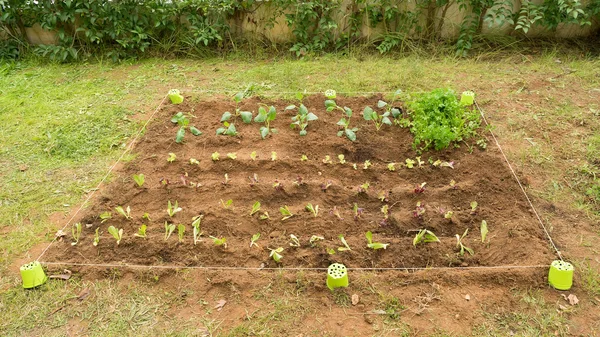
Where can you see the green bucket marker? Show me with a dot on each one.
(337, 276)
(33, 275)
(467, 98)
(175, 96)
(560, 275)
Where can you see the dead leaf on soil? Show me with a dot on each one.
(220, 305)
(59, 234)
(573, 300)
(64, 276)
(378, 312)
(355, 299)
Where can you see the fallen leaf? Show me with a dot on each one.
(65, 276)
(467, 297)
(355, 299)
(573, 300)
(83, 294)
(220, 305)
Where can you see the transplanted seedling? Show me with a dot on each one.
(226, 181)
(342, 159)
(253, 180)
(314, 239)
(172, 157)
(245, 115)
(295, 241)
(275, 254)
(278, 185)
(344, 122)
(326, 185)
(336, 212)
(183, 121)
(227, 129)
(314, 210)
(264, 216)
(76, 232)
(358, 212)
(253, 155)
(116, 233)
(232, 155)
(420, 188)
(254, 239)
(346, 247)
(96, 237)
(363, 188)
(180, 232)
(409, 163)
(484, 230)
(367, 164)
(383, 196)
(473, 207)
(425, 236)
(169, 229)
(419, 210)
(173, 209)
(448, 215)
(215, 156)
(196, 228)
(219, 242)
(391, 166)
(139, 179)
(255, 208)
(302, 118)
(379, 119)
(285, 212)
(141, 232)
(327, 160)
(227, 204)
(124, 212)
(273, 156)
(303, 158)
(374, 245)
(461, 247)
(298, 182)
(194, 161)
(266, 117)
(105, 216)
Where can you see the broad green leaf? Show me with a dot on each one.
(330, 104)
(231, 131)
(180, 135)
(311, 117)
(246, 116)
(195, 131)
(302, 110)
(350, 134)
(226, 116)
(272, 113)
(221, 131)
(264, 132)
(386, 121)
(303, 133)
(369, 236)
(290, 107)
(238, 97)
(348, 111)
(381, 104)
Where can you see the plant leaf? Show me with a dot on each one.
(226, 116)
(195, 131)
(368, 113)
(484, 230)
(180, 135)
(246, 116)
(350, 134)
(381, 104)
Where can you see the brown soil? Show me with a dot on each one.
(515, 237)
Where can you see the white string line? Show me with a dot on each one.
(142, 266)
(90, 195)
(268, 92)
(519, 182)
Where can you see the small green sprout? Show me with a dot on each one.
(215, 156)
(253, 155)
(462, 248)
(424, 236)
(419, 161)
(255, 208)
(139, 179)
(484, 230)
(172, 157)
(275, 254)
(327, 160)
(473, 207)
(341, 158)
(367, 164)
(264, 216)
(194, 161)
(254, 239)
(232, 155)
(116, 233)
(314, 210)
(303, 158)
(226, 181)
(124, 212)
(295, 241)
(448, 215)
(330, 251)
(146, 216)
(354, 166)
(453, 184)
(410, 163)
(141, 232)
(169, 229)
(180, 232)
(285, 212)
(383, 196)
(336, 213)
(391, 166)
(346, 247)
(96, 237)
(196, 228)
(227, 204)
(273, 156)
(173, 209)
(374, 245)
(314, 239)
(364, 187)
(219, 242)
(105, 216)
(76, 232)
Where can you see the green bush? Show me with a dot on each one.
(438, 119)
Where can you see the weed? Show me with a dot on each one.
(226, 181)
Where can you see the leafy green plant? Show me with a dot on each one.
(326, 185)
(302, 118)
(484, 230)
(254, 239)
(96, 237)
(215, 156)
(275, 254)
(141, 232)
(172, 157)
(363, 188)
(409, 163)
(425, 236)
(245, 115)
(461, 247)
(344, 122)
(327, 160)
(342, 159)
(76, 233)
(173, 209)
(367, 164)
(180, 232)
(105, 216)
(219, 242)
(448, 215)
(253, 180)
(253, 155)
(196, 228)
(169, 229)
(420, 188)
(124, 212)
(232, 155)
(295, 241)
(374, 245)
(303, 158)
(227, 204)
(183, 121)
(278, 185)
(226, 181)
(285, 212)
(336, 212)
(314, 210)
(266, 117)
(255, 208)
(139, 179)
(116, 233)
(346, 246)
(379, 119)
(228, 129)
(264, 216)
(391, 166)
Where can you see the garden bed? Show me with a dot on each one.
(514, 237)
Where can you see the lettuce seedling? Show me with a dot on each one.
(461, 247)
(169, 229)
(273, 156)
(354, 166)
(326, 185)
(363, 188)
(314, 239)
(336, 212)
(473, 207)
(425, 236)
(253, 180)
(391, 166)
(357, 211)
(385, 209)
(330, 251)
(302, 118)
(484, 230)
(314, 210)
(448, 215)
(253, 155)
(420, 188)
(383, 196)
(227, 204)
(124, 212)
(410, 163)
(379, 119)
(342, 159)
(374, 245)
(327, 160)
(219, 242)
(116, 233)
(303, 158)
(164, 181)
(420, 162)
(194, 161)
(278, 185)
(76, 232)
(453, 184)
(419, 210)
(367, 164)
(275, 254)
(180, 232)
(254, 239)
(141, 232)
(266, 117)
(265, 216)
(298, 182)
(96, 237)
(173, 209)
(215, 156)
(346, 247)
(172, 157)
(255, 208)
(105, 216)
(344, 122)
(295, 241)
(232, 155)
(139, 179)
(183, 122)
(226, 181)
(285, 212)
(196, 228)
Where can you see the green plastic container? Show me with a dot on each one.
(337, 276)
(175, 96)
(33, 275)
(467, 98)
(560, 275)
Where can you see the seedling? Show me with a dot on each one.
(383, 196)
(253, 180)
(266, 117)
(169, 229)
(419, 210)
(265, 216)
(226, 181)
(354, 166)
(367, 164)
(96, 237)
(180, 232)
(246, 115)
(285, 212)
(232, 155)
(219, 242)
(420, 162)
(346, 247)
(273, 156)
(253, 240)
(326, 185)
(420, 188)
(425, 236)
(277, 185)
(409, 163)
(255, 208)
(175, 96)
(448, 215)
(172, 157)
(303, 158)
(183, 122)
(105, 216)
(314, 239)
(385, 209)
(344, 122)
(146, 216)
(374, 245)
(314, 210)
(298, 182)
(473, 207)
(196, 228)
(124, 212)
(295, 242)
(215, 156)
(330, 251)
(342, 159)
(358, 212)
(76, 232)
(173, 209)
(227, 129)
(336, 212)
(164, 181)
(227, 204)
(461, 247)
(447, 164)
(391, 166)
(139, 179)
(453, 184)
(379, 119)
(116, 233)
(327, 160)
(141, 232)
(253, 155)
(484, 230)
(275, 254)
(302, 118)
(363, 188)
(194, 161)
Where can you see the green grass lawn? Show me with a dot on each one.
(64, 125)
